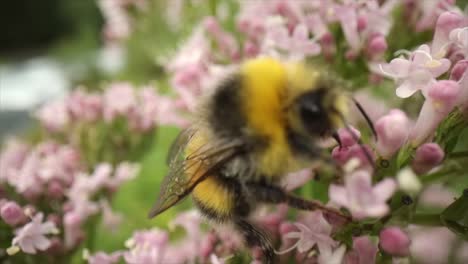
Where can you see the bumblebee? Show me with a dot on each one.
(261, 122)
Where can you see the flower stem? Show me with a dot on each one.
(426, 219)
(459, 154)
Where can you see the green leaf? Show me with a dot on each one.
(455, 216)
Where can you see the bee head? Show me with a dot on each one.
(318, 112)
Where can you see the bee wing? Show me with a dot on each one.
(176, 150)
(201, 163)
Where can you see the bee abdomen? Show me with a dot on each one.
(220, 198)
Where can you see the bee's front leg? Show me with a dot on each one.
(274, 194)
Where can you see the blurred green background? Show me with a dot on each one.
(70, 31)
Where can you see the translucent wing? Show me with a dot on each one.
(186, 172)
(177, 148)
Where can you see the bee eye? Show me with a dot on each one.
(310, 110)
(312, 113)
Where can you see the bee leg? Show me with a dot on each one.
(255, 237)
(275, 195)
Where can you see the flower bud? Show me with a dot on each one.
(441, 98)
(12, 213)
(446, 22)
(362, 22)
(346, 138)
(408, 181)
(394, 241)
(460, 74)
(392, 132)
(427, 156)
(55, 190)
(207, 245)
(377, 46)
(458, 70)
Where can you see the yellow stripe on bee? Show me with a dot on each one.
(268, 85)
(214, 196)
(264, 81)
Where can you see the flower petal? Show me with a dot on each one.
(405, 90)
(385, 189)
(338, 194)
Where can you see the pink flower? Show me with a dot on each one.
(394, 241)
(104, 258)
(423, 248)
(392, 132)
(295, 46)
(148, 246)
(56, 162)
(438, 196)
(53, 116)
(460, 74)
(427, 157)
(143, 117)
(190, 221)
(216, 260)
(271, 219)
(119, 99)
(26, 178)
(459, 38)
(124, 172)
(12, 213)
(32, 236)
(415, 73)
(364, 251)
(350, 149)
(446, 22)
(84, 106)
(441, 99)
(458, 71)
(73, 220)
(367, 23)
(110, 219)
(429, 11)
(225, 41)
(335, 257)
(360, 197)
(356, 151)
(207, 245)
(169, 112)
(189, 67)
(12, 156)
(316, 234)
(117, 25)
(347, 14)
(347, 138)
(297, 179)
(376, 46)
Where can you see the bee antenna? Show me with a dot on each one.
(358, 140)
(366, 116)
(361, 145)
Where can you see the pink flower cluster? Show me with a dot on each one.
(118, 22)
(295, 30)
(54, 173)
(142, 108)
(420, 69)
(291, 30)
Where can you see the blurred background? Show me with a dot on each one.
(50, 47)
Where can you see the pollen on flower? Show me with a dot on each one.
(12, 250)
(433, 63)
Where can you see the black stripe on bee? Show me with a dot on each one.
(301, 145)
(226, 117)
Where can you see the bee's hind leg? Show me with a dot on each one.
(255, 237)
(274, 194)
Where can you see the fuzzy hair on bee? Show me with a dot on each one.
(259, 123)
